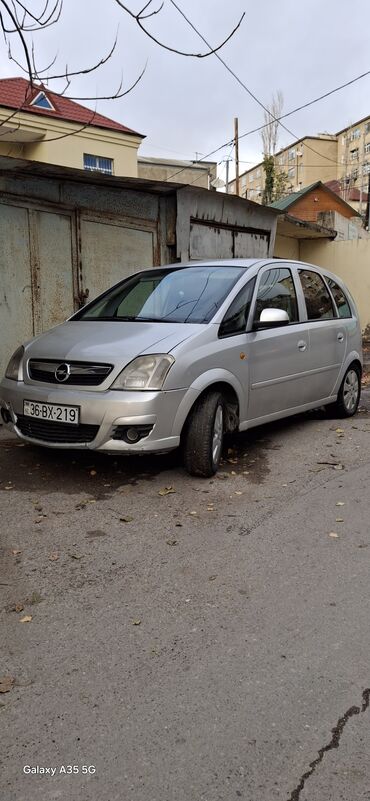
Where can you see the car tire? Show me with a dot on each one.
(203, 437)
(349, 393)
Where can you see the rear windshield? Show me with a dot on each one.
(178, 295)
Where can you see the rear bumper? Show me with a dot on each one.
(106, 410)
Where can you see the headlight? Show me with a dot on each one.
(145, 373)
(13, 369)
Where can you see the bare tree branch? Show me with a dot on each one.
(19, 21)
(139, 17)
(269, 134)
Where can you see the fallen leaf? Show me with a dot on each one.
(136, 622)
(166, 491)
(18, 608)
(6, 684)
(36, 598)
(127, 519)
(171, 542)
(54, 557)
(75, 555)
(15, 552)
(26, 619)
(334, 535)
(238, 493)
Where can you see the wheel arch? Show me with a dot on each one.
(218, 381)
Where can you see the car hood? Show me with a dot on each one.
(115, 343)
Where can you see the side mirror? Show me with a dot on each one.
(271, 318)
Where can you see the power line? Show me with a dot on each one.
(256, 99)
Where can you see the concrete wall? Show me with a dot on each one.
(178, 172)
(286, 247)
(349, 260)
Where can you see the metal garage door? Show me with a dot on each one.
(111, 251)
(212, 241)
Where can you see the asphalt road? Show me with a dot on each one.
(204, 642)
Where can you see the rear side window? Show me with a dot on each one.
(318, 301)
(235, 320)
(277, 291)
(344, 309)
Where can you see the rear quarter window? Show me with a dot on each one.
(341, 301)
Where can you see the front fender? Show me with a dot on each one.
(203, 382)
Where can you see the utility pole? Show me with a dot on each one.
(236, 144)
(227, 176)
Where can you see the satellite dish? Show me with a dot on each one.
(218, 183)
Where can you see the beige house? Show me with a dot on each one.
(195, 173)
(39, 125)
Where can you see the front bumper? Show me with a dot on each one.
(107, 410)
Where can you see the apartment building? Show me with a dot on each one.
(343, 159)
(310, 159)
(354, 158)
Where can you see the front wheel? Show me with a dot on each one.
(204, 436)
(349, 393)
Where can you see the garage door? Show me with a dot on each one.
(209, 241)
(111, 252)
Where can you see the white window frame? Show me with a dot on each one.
(99, 160)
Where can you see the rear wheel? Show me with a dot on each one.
(203, 436)
(349, 393)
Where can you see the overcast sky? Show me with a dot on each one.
(186, 106)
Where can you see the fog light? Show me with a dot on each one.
(132, 434)
(5, 415)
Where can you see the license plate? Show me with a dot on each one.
(52, 411)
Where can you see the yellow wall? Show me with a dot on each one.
(350, 260)
(286, 247)
(68, 151)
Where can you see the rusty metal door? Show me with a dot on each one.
(16, 323)
(218, 241)
(113, 250)
(38, 279)
(52, 268)
(251, 245)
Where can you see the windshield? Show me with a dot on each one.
(177, 295)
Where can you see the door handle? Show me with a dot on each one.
(302, 345)
(340, 337)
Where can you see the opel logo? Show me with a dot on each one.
(62, 372)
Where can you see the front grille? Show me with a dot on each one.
(49, 431)
(81, 373)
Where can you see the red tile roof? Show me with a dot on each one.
(16, 93)
(351, 194)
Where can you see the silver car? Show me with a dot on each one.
(181, 354)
